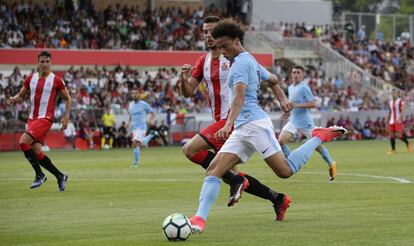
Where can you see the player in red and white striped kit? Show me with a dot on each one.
(395, 122)
(43, 88)
(213, 69)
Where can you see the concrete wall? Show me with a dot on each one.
(308, 11)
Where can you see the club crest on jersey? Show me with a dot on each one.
(225, 66)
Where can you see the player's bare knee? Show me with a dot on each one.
(37, 148)
(283, 173)
(187, 150)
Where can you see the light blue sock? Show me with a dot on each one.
(325, 155)
(208, 195)
(286, 150)
(137, 153)
(147, 139)
(301, 155)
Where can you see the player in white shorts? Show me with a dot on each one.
(300, 119)
(253, 130)
(137, 112)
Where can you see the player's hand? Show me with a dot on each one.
(186, 71)
(286, 106)
(12, 101)
(64, 122)
(223, 133)
(284, 116)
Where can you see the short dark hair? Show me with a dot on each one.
(44, 53)
(226, 28)
(211, 19)
(297, 67)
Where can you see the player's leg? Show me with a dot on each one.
(285, 135)
(197, 151)
(136, 152)
(137, 137)
(323, 151)
(47, 164)
(402, 136)
(26, 146)
(221, 164)
(149, 137)
(285, 168)
(392, 140)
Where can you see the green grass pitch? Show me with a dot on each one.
(108, 203)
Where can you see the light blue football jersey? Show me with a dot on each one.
(301, 117)
(245, 69)
(138, 111)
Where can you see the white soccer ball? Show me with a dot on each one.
(105, 147)
(176, 227)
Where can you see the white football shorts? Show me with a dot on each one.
(289, 127)
(138, 135)
(258, 135)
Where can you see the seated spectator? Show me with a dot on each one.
(85, 133)
(123, 138)
(70, 134)
(367, 130)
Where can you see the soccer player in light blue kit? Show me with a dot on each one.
(253, 129)
(301, 120)
(137, 112)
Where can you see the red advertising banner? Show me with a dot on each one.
(112, 57)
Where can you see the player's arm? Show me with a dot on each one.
(402, 112)
(18, 98)
(236, 105)
(68, 103)
(129, 121)
(272, 81)
(188, 83)
(310, 104)
(152, 118)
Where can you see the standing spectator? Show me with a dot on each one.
(108, 121)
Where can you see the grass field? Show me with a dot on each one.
(108, 203)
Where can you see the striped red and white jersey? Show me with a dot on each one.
(43, 93)
(395, 107)
(214, 72)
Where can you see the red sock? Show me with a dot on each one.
(40, 156)
(203, 158)
(199, 157)
(25, 146)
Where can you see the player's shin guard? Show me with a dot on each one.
(208, 195)
(137, 154)
(147, 139)
(301, 155)
(31, 157)
(392, 140)
(45, 162)
(404, 139)
(286, 150)
(260, 190)
(325, 155)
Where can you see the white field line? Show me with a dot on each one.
(129, 179)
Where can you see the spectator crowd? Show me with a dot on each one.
(31, 25)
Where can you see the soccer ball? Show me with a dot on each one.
(105, 147)
(176, 227)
